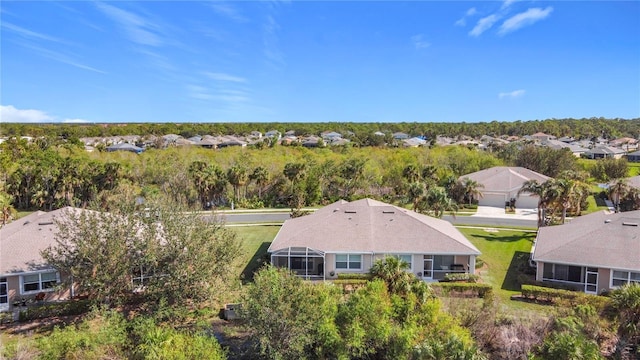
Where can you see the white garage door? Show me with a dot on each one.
(526, 201)
(495, 200)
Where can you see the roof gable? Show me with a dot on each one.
(368, 225)
(504, 178)
(600, 239)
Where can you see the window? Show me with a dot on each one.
(39, 282)
(560, 272)
(442, 262)
(348, 261)
(625, 277)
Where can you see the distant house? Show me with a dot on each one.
(330, 136)
(400, 136)
(540, 136)
(604, 152)
(378, 133)
(256, 134)
(576, 150)
(413, 142)
(312, 141)
(125, 147)
(348, 237)
(634, 156)
(502, 183)
(593, 253)
(273, 134)
(567, 139)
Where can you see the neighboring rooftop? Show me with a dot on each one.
(371, 226)
(600, 239)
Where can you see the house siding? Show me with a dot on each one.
(13, 287)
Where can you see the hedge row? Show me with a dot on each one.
(356, 276)
(474, 289)
(558, 296)
(75, 307)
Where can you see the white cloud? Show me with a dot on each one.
(25, 33)
(419, 42)
(137, 28)
(75, 121)
(523, 19)
(484, 24)
(227, 10)
(225, 77)
(65, 59)
(507, 3)
(10, 114)
(511, 95)
(463, 21)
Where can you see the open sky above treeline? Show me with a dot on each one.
(318, 61)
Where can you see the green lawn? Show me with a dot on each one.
(255, 241)
(505, 254)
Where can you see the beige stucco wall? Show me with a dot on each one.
(604, 277)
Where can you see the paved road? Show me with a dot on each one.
(491, 221)
(272, 217)
(251, 217)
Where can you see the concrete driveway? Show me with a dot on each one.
(499, 213)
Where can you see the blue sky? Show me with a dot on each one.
(317, 61)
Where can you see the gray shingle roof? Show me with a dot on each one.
(504, 178)
(600, 239)
(22, 240)
(371, 226)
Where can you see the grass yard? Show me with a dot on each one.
(505, 254)
(255, 241)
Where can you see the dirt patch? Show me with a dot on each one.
(40, 325)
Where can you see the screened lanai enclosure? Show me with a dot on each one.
(303, 261)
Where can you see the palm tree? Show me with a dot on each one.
(415, 193)
(393, 272)
(617, 190)
(261, 176)
(471, 189)
(237, 177)
(411, 173)
(294, 171)
(437, 201)
(565, 190)
(544, 193)
(7, 211)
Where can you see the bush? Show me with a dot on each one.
(559, 296)
(461, 277)
(474, 289)
(348, 276)
(74, 307)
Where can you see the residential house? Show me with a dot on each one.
(400, 136)
(576, 150)
(567, 139)
(125, 147)
(414, 142)
(348, 237)
(23, 272)
(634, 156)
(604, 152)
(540, 136)
(273, 134)
(625, 143)
(502, 183)
(593, 253)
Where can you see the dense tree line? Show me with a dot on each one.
(361, 133)
(50, 175)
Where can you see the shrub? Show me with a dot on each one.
(348, 276)
(474, 289)
(75, 307)
(564, 296)
(461, 277)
